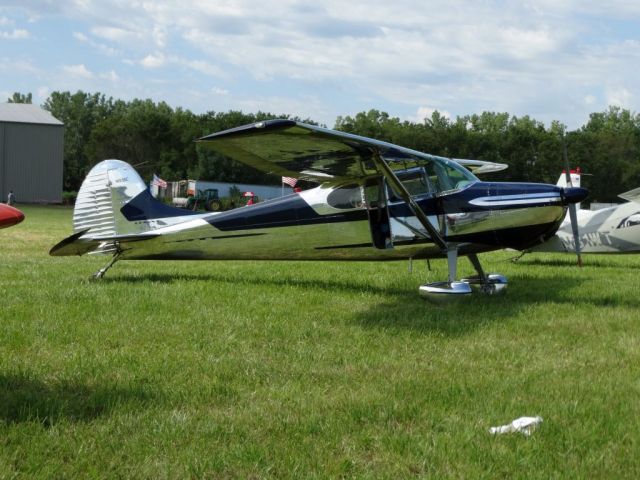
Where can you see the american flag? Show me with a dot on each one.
(158, 182)
(290, 181)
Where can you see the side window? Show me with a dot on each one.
(346, 197)
(417, 181)
(374, 194)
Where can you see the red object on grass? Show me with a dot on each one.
(9, 216)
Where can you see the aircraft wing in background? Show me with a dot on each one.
(631, 195)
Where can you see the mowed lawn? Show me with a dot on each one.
(311, 370)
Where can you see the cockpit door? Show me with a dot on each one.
(377, 203)
(404, 224)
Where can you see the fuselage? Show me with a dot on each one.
(355, 222)
(610, 230)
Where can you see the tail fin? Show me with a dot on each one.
(113, 203)
(108, 186)
(575, 178)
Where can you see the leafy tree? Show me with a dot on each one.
(20, 98)
(157, 138)
(80, 112)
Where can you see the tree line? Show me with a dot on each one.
(156, 138)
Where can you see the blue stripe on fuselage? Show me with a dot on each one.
(293, 210)
(282, 212)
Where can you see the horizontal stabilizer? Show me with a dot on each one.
(631, 195)
(76, 245)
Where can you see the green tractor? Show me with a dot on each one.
(207, 199)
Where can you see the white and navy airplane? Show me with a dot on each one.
(375, 201)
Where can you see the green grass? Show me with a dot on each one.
(311, 370)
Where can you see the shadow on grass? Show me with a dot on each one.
(25, 399)
(569, 261)
(402, 309)
(467, 314)
(284, 281)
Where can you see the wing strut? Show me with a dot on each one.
(406, 196)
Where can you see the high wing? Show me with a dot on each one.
(292, 149)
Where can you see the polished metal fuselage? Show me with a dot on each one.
(306, 227)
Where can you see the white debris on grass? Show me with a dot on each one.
(524, 425)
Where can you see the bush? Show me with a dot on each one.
(69, 198)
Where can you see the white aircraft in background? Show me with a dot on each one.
(609, 230)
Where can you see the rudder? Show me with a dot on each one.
(109, 186)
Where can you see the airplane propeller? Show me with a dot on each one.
(573, 214)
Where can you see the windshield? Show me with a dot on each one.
(447, 175)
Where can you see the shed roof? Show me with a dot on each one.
(26, 113)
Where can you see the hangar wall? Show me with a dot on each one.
(31, 162)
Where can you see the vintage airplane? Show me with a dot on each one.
(609, 230)
(375, 201)
(9, 216)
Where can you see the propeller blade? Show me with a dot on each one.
(573, 214)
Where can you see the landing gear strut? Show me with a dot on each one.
(491, 284)
(100, 273)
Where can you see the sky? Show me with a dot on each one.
(549, 59)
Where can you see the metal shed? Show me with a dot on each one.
(31, 154)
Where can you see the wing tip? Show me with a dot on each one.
(263, 126)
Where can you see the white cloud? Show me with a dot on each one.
(43, 93)
(219, 91)
(552, 59)
(111, 75)
(19, 66)
(154, 60)
(301, 107)
(201, 66)
(80, 37)
(15, 34)
(620, 97)
(115, 34)
(101, 47)
(158, 59)
(426, 112)
(160, 35)
(77, 71)
(590, 99)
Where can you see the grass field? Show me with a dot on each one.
(311, 370)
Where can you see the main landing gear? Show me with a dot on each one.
(492, 284)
